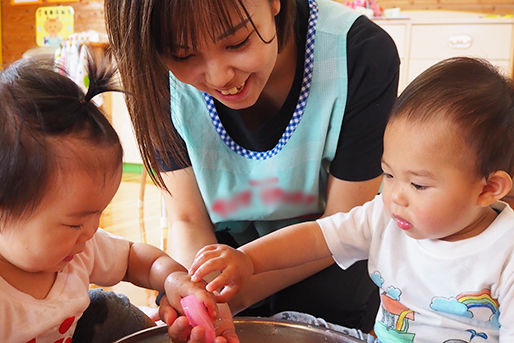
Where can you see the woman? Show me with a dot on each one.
(277, 115)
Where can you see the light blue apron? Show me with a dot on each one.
(287, 183)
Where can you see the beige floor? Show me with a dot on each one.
(122, 217)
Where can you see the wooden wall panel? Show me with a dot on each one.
(19, 21)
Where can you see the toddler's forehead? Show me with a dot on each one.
(439, 139)
(75, 156)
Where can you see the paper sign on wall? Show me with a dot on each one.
(53, 24)
(24, 2)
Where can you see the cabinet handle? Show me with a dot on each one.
(460, 42)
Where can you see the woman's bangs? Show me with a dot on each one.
(197, 21)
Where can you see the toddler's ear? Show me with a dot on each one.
(498, 184)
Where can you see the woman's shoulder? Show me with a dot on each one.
(337, 19)
(334, 17)
(367, 33)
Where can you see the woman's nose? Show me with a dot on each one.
(218, 72)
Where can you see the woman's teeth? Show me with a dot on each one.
(233, 90)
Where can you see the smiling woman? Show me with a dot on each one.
(253, 115)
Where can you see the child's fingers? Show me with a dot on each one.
(222, 280)
(204, 255)
(206, 268)
(226, 293)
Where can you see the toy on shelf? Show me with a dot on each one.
(370, 8)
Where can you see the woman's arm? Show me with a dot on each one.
(189, 225)
(342, 196)
(289, 247)
(190, 230)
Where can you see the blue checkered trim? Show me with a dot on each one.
(300, 106)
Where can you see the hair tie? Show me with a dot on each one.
(83, 101)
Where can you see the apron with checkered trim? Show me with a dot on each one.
(287, 183)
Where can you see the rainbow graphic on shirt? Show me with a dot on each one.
(479, 305)
(479, 299)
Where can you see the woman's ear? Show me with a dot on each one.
(275, 7)
(498, 184)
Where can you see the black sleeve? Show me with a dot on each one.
(373, 73)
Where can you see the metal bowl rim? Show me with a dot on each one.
(161, 329)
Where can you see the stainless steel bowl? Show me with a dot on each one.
(257, 330)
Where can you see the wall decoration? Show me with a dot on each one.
(24, 2)
(53, 24)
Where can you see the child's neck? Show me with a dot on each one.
(479, 225)
(38, 284)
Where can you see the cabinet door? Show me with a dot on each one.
(490, 41)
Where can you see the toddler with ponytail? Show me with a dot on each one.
(60, 166)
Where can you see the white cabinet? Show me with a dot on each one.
(426, 37)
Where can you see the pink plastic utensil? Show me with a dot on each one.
(197, 314)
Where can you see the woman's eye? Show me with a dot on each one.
(181, 58)
(239, 45)
(418, 187)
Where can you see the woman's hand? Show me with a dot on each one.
(235, 266)
(180, 331)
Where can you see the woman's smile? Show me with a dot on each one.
(233, 90)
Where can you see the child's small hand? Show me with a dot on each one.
(179, 285)
(235, 266)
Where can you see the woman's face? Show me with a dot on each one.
(234, 68)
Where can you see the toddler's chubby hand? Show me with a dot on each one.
(235, 266)
(179, 285)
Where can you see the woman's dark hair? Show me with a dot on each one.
(38, 109)
(140, 32)
(472, 94)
